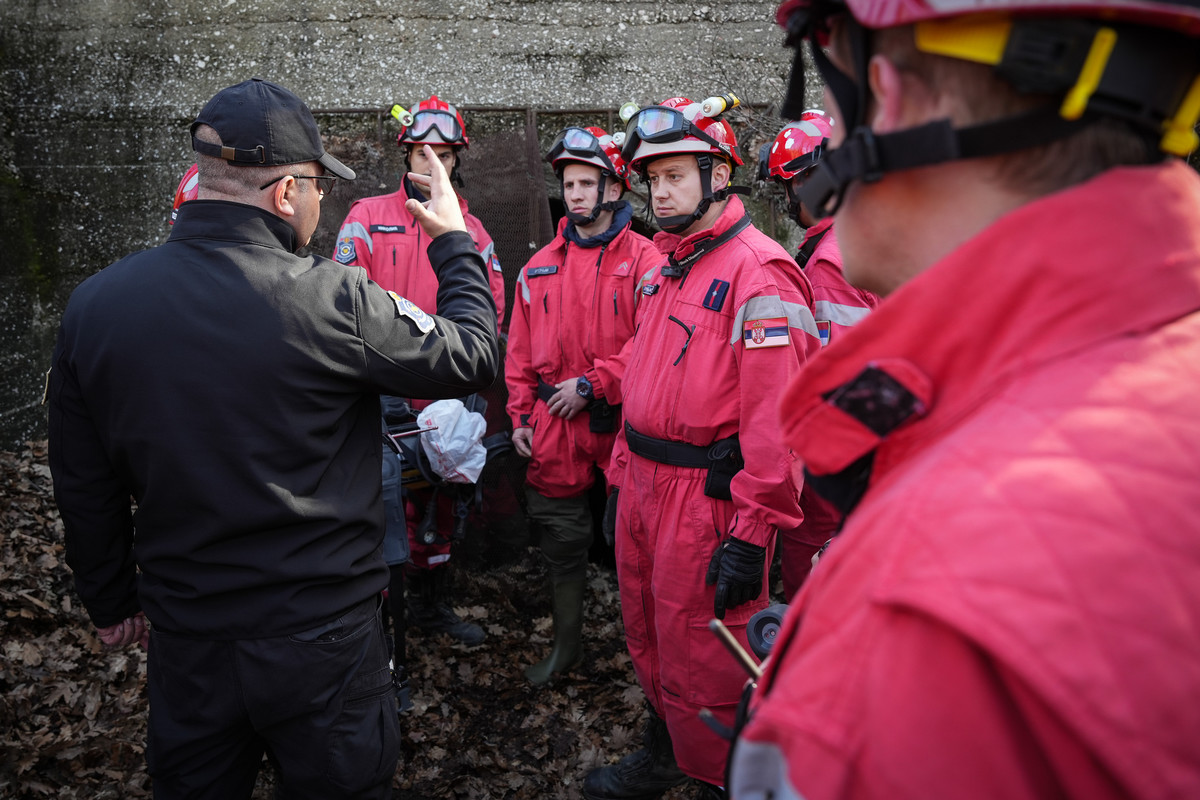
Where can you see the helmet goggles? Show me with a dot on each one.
(659, 124)
(443, 122)
(578, 142)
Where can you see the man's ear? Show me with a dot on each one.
(887, 91)
(720, 174)
(283, 197)
(613, 189)
(899, 100)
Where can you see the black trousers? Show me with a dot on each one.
(318, 703)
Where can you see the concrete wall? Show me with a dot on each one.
(96, 96)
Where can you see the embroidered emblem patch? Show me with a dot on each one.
(771, 332)
(496, 264)
(407, 308)
(533, 272)
(649, 289)
(345, 253)
(824, 328)
(715, 297)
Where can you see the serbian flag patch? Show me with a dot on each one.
(824, 328)
(771, 332)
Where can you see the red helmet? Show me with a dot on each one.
(1179, 15)
(588, 146)
(434, 121)
(797, 147)
(1097, 59)
(677, 126)
(188, 189)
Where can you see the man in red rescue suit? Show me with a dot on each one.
(703, 481)
(1011, 609)
(789, 160)
(380, 235)
(572, 318)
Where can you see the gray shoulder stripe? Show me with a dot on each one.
(769, 307)
(524, 286)
(356, 230)
(840, 314)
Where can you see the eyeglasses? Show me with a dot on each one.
(426, 122)
(324, 182)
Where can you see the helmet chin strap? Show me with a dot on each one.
(681, 222)
(597, 210)
(1141, 95)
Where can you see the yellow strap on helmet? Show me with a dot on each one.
(1180, 138)
(1077, 98)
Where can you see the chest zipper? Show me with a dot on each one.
(690, 330)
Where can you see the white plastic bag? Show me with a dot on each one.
(455, 449)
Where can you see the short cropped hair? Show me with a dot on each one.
(219, 176)
(982, 96)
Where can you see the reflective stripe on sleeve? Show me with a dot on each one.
(523, 286)
(356, 230)
(759, 772)
(771, 307)
(839, 313)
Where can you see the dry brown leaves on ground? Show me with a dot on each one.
(73, 714)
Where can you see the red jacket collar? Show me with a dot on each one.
(816, 230)
(1118, 254)
(680, 247)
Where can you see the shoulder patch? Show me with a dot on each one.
(649, 289)
(758, 333)
(495, 262)
(407, 308)
(345, 252)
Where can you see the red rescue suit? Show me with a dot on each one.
(382, 237)
(711, 356)
(572, 315)
(1012, 609)
(837, 307)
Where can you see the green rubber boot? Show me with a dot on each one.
(568, 633)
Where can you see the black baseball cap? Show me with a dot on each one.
(263, 124)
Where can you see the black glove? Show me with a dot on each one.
(608, 525)
(737, 570)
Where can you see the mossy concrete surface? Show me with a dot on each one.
(96, 97)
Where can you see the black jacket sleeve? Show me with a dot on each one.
(450, 354)
(94, 502)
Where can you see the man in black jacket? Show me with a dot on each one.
(230, 387)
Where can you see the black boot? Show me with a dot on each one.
(643, 775)
(429, 606)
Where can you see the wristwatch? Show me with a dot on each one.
(583, 388)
